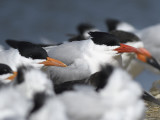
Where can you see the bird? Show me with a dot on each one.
(13, 104)
(25, 53)
(30, 81)
(146, 35)
(84, 58)
(132, 65)
(110, 99)
(47, 107)
(83, 29)
(6, 74)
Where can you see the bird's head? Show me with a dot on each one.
(6, 72)
(34, 54)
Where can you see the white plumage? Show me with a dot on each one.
(83, 59)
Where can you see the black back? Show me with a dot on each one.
(4, 69)
(125, 37)
(101, 38)
(112, 24)
(100, 79)
(68, 86)
(28, 49)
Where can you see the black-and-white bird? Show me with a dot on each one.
(30, 81)
(148, 38)
(111, 98)
(26, 53)
(83, 30)
(6, 74)
(86, 57)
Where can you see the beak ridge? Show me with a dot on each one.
(53, 62)
(126, 48)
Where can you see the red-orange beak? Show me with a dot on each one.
(53, 62)
(12, 76)
(126, 48)
(145, 56)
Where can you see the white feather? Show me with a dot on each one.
(83, 59)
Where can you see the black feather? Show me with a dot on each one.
(20, 75)
(112, 24)
(28, 50)
(4, 69)
(101, 38)
(100, 79)
(148, 97)
(67, 86)
(125, 37)
(39, 100)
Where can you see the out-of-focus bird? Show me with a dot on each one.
(83, 29)
(13, 104)
(30, 81)
(111, 98)
(6, 73)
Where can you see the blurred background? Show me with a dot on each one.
(50, 20)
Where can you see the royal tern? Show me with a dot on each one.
(26, 53)
(83, 29)
(6, 73)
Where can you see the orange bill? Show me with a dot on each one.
(145, 56)
(53, 62)
(126, 48)
(144, 52)
(12, 76)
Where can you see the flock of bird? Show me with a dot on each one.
(90, 77)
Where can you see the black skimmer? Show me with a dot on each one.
(146, 36)
(129, 63)
(135, 67)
